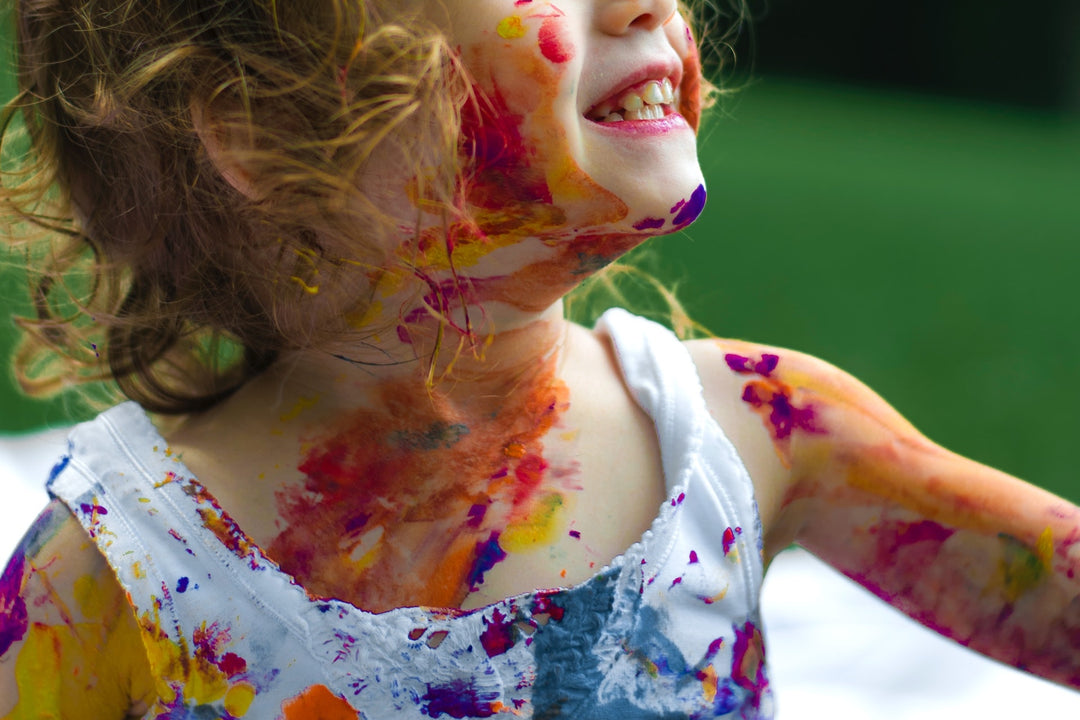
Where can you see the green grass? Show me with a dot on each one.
(930, 248)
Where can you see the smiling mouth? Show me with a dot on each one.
(653, 100)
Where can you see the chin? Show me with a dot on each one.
(658, 179)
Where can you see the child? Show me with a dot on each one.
(332, 238)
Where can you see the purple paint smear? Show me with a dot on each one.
(476, 515)
(744, 365)
(13, 617)
(488, 554)
(692, 208)
(785, 418)
(458, 699)
(649, 223)
(748, 660)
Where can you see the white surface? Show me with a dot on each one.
(835, 652)
(25, 462)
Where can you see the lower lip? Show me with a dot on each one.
(674, 121)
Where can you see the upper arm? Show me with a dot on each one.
(69, 643)
(978, 555)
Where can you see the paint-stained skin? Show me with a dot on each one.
(524, 185)
(421, 509)
(974, 554)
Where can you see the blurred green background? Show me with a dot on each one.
(922, 236)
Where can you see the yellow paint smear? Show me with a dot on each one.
(309, 289)
(1044, 548)
(302, 404)
(239, 698)
(539, 528)
(88, 596)
(360, 320)
(709, 682)
(1021, 567)
(510, 28)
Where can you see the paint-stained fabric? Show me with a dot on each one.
(669, 629)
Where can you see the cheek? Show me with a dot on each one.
(519, 133)
(682, 39)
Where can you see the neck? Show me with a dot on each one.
(475, 355)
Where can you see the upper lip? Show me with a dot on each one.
(653, 71)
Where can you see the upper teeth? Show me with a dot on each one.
(644, 105)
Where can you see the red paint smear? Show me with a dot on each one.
(501, 175)
(221, 524)
(551, 46)
(209, 641)
(13, 616)
(923, 531)
(694, 557)
(729, 538)
(498, 637)
(544, 604)
(232, 664)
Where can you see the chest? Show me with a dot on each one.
(392, 510)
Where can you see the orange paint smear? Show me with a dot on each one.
(317, 702)
(420, 494)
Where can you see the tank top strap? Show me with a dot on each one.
(664, 381)
(697, 456)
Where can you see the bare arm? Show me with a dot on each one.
(975, 554)
(69, 643)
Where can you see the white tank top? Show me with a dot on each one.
(669, 629)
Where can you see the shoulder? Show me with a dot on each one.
(784, 410)
(69, 642)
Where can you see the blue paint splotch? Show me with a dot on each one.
(60, 465)
(687, 211)
(488, 554)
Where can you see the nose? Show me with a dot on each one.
(618, 17)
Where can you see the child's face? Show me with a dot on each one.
(588, 112)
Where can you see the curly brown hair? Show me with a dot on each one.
(148, 267)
